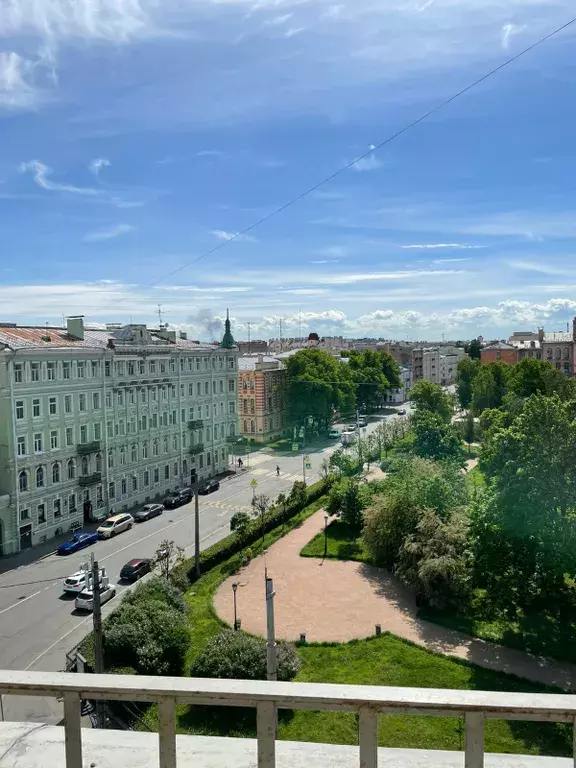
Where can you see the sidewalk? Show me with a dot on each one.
(337, 601)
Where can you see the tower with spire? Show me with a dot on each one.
(227, 340)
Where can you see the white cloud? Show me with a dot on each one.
(449, 261)
(293, 32)
(369, 163)
(221, 234)
(508, 30)
(108, 234)
(277, 21)
(325, 261)
(459, 246)
(41, 172)
(16, 89)
(406, 275)
(97, 164)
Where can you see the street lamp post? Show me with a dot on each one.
(236, 620)
(325, 536)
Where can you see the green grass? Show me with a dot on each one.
(343, 543)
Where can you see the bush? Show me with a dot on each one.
(147, 635)
(236, 655)
(164, 591)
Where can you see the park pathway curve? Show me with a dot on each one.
(337, 601)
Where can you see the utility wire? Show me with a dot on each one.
(376, 147)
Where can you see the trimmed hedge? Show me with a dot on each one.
(224, 549)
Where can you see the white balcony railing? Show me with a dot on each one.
(267, 697)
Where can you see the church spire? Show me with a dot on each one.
(227, 340)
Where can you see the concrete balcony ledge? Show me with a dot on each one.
(32, 745)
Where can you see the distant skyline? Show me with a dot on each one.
(137, 136)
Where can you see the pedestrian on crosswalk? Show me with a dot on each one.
(277, 470)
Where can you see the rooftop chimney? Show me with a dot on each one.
(75, 327)
(574, 329)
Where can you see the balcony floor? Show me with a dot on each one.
(32, 745)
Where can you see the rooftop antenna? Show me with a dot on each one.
(159, 313)
(280, 323)
(300, 323)
(249, 326)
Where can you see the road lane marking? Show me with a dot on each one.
(21, 601)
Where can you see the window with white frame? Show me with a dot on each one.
(18, 373)
(23, 481)
(36, 408)
(54, 440)
(111, 490)
(82, 402)
(134, 453)
(72, 503)
(51, 371)
(40, 477)
(19, 409)
(67, 403)
(34, 371)
(41, 512)
(81, 369)
(84, 433)
(145, 449)
(56, 472)
(57, 507)
(21, 444)
(38, 442)
(53, 406)
(65, 370)
(24, 514)
(95, 365)
(123, 487)
(96, 400)
(97, 430)
(71, 469)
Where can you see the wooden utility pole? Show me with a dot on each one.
(196, 531)
(97, 631)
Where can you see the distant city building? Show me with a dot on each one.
(401, 395)
(499, 351)
(253, 347)
(93, 420)
(261, 405)
(558, 348)
(436, 364)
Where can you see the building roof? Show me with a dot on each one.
(555, 336)
(524, 343)
(500, 345)
(42, 337)
(250, 362)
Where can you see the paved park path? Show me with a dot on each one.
(336, 601)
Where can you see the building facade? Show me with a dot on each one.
(499, 352)
(401, 395)
(558, 348)
(261, 402)
(98, 420)
(436, 364)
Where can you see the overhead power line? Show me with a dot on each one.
(371, 151)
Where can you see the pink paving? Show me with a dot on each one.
(338, 601)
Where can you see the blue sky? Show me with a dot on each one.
(137, 135)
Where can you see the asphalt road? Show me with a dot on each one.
(38, 622)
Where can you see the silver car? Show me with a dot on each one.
(85, 600)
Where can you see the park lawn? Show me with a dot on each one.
(343, 543)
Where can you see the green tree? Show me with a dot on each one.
(536, 377)
(342, 463)
(317, 385)
(473, 349)
(525, 535)
(353, 504)
(240, 522)
(375, 374)
(427, 396)
(469, 430)
(467, 370)
(434, 439)
(490, 386)
(168, 556)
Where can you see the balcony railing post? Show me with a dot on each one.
(266, 734)
(72, 730)
(574, 741)
(167, 733)
(474, 757)
(368, 737)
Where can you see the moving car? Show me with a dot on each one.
(136, 568)
(334, 434)
(401, 411)
(209, 487)
(77, 542)
(362, 422)
(178, 498)
(348, 438)
(85, 600)
(114, 525)
(79, 580)
(352, 427)
(148, 511)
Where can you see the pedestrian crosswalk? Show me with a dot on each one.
(225, 507)
(266, 474)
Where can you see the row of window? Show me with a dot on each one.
(558, 353)
(83, 369)
(221, 431)
(250, 426)
(123, 397)
(119, 488)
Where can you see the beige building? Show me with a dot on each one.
(93, 420)
(261, 402)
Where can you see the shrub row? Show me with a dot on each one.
(234, 543)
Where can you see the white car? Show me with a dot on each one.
(85, 600)
(114, 525)
(334, 434)
(77, 581)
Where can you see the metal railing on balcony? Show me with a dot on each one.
(85, 480)
(267, 697)
(195, 424)
(194, 450)
(85, 448)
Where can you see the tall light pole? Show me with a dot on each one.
(236, 621)
(325, 536)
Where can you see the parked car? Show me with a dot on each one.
(401, 411)
(148, 511)
(351, 427)
(114, 525)
(178, 498)
(136, 568)
(85, 600)
(209, 487)
(79, 580)
(334, 434)
(77, 542)
(362, 422)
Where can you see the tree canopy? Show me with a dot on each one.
(434, 438)
(318, 384)
(430, 397)
(467, 371)
(375, 374)
(490, 386)
(536, 377)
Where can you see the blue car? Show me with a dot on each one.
(77, 542)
